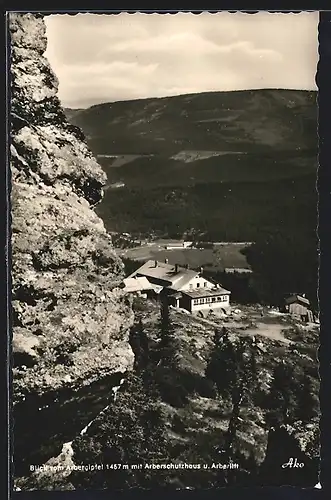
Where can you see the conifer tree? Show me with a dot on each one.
(145, 368)
(168, 372)
(282, 398)
(139, 344)
(221, 368)
(232, 367)
(168, 345)
(144, 344)
(307, 400)
(244, 380)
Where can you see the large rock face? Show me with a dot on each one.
(70, 320)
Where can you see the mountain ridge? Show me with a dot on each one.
(250, 119)
(68, 108)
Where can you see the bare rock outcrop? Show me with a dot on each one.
(70, 319)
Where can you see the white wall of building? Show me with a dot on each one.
(175, 246)
(206, 303)
(198, 282)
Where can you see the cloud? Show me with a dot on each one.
(100, 58)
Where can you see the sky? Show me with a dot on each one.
(104, 58)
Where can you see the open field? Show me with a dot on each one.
(211, 259)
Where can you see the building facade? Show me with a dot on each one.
(205, 300)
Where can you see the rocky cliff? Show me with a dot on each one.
(70, 320)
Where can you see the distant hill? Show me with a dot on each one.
(232, 165)
(238, 121)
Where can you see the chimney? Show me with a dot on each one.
(187, 266)
(176, 268)
(201, 270)
(166, 261)
(155, 263)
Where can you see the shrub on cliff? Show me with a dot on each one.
(131, 432)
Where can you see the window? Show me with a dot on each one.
(205, 284)
(198, 284)
(213, 299)
(191, 286)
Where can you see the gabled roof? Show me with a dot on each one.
(297, 298)
(166, 273)
(137, 284)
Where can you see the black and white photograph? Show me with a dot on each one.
(164, 250)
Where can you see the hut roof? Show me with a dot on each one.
(297, 298)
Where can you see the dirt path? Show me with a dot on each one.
(273, 332)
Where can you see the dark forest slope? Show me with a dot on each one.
(231, 121)
(176, 180)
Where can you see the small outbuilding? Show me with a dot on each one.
(299, 307)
